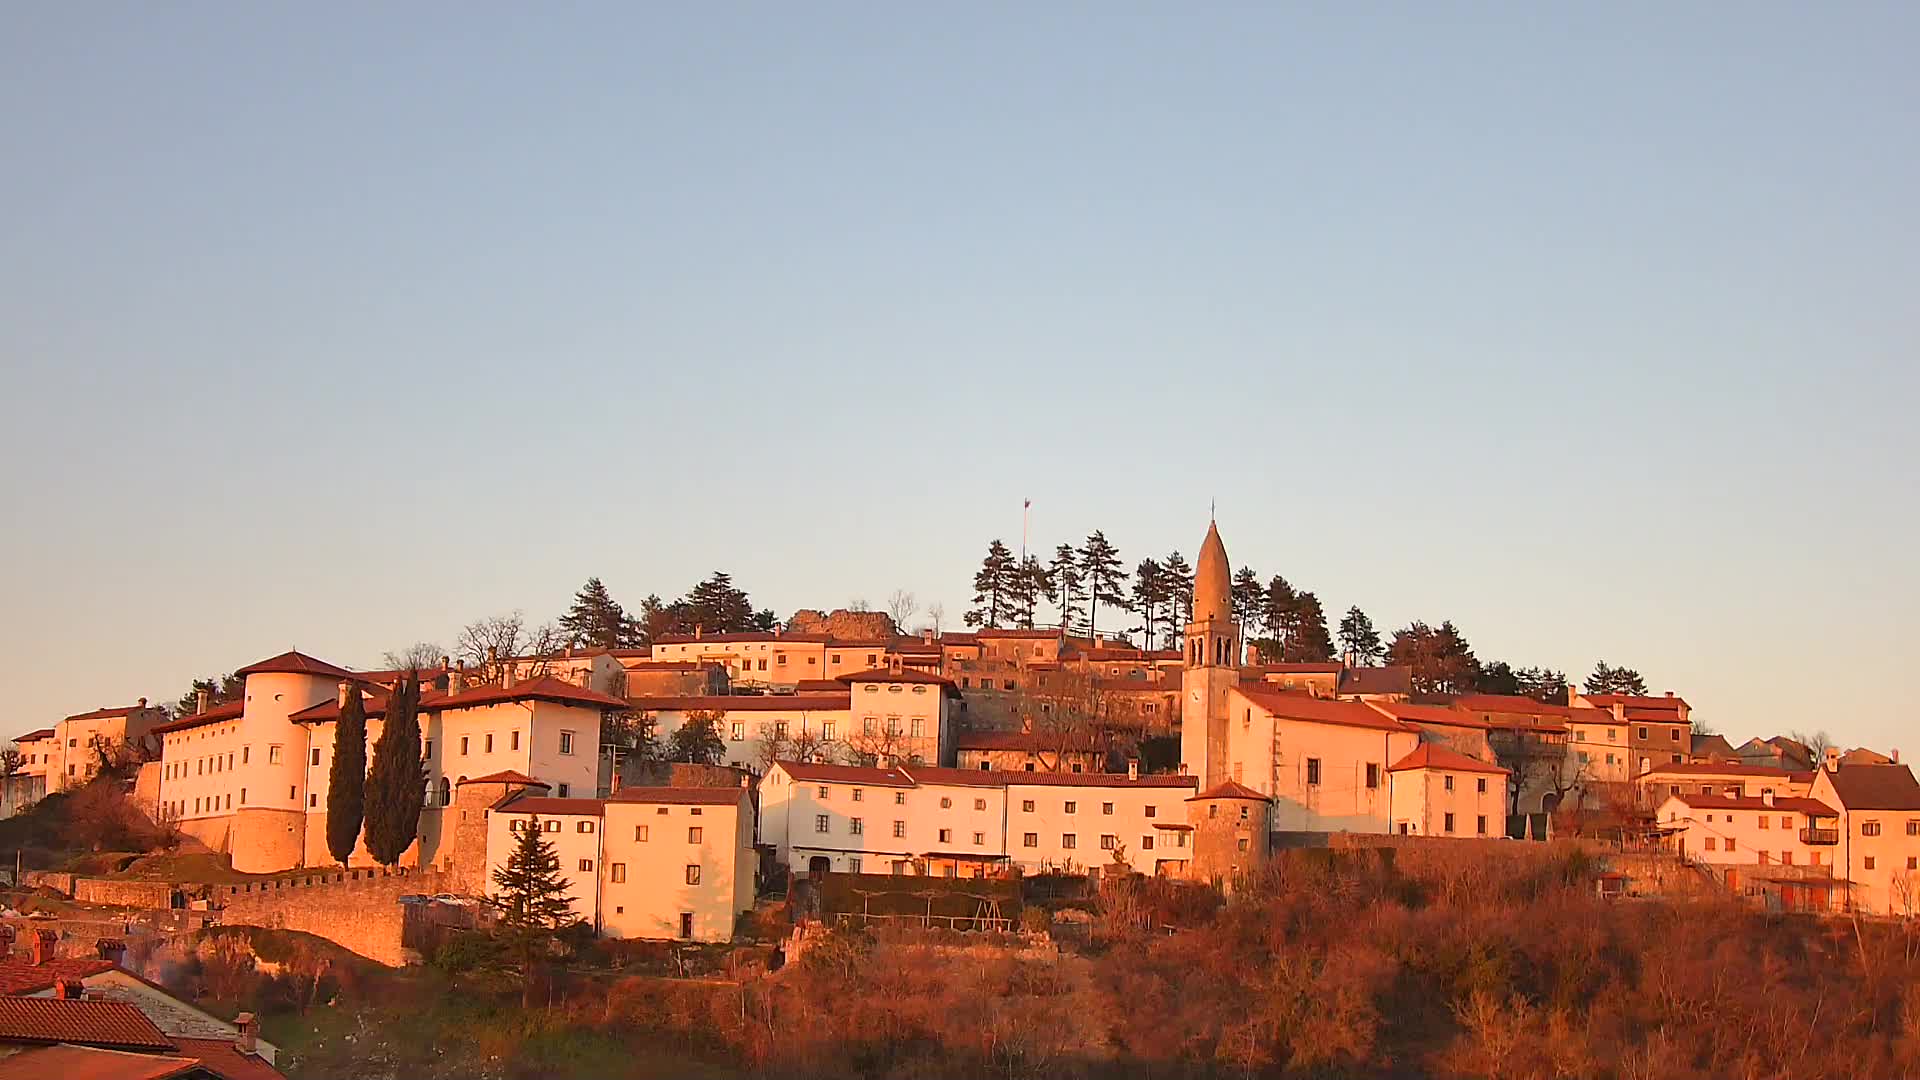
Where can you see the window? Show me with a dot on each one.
(583, 827)
(1480, 824)
(640, 834)
(1069, 841)
(463, 745)
(489, 743)
(946, 836)
(1031, 839)
(859, 795)
(1106, 808)
(899, 829)
(1786, 821)
(693, 876)
(562, 792)
(1763, 820)
(1313, 770)
(856, 826)
(737, 731)
(946, 803)
(1108, 841)
(820, 792)
(1729, 843)
(313, 801)
(1913, 828)
(243, 796)
(1146, 843)
(426, 749)
(1243, 844)
(1913, 863)
(820, 823)
(780, 729)
(586, 865)
(1643, 734)
(1449, 820)
(1866, 862)
(273, 755)
(314, 757)
(246, 754)
(513, 742)
(867, 725)
(980, 840)
(826, 731)
(1869, 828)
(1026, 806)
(1447, 783)
(899, 798)
(853, 864)
(566, 742)
(1712, 844)
(1786, 858)
(979, 804)
(550, 826)
(1071, 806)
(1151, 811)
(893, 725)
(1373, 775)
(1480, 786)
(617, 872)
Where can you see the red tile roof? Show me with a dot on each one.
(507, 777)
(671, 665)
(1727, 802)
(545, 688)
(930, 774)
(1876, 787)
(1230, 789)
(757, 635)
(227, 710)
(89, 1063)
(841, 702)
(1656, 716)
(905, 675)
(294, 663)
(19, 978)
(1073, 779)
(1717, 768)
(1509, 703)
(1297, 669)
(814, 771)
(1298, 706)
(1428, 714)
(818, 686)
(1631, 701)
(31, 736)
(112, 1024)
(1021, 740)
(680, 796)
(1435, 756)
(223, 1059)
(103, 714)
(540, 804)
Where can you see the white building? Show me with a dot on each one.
(1434, 791)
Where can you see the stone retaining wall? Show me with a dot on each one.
(359, 910)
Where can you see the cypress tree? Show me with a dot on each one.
(347, 783)
(396, 786)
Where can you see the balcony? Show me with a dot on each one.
(1819, 836)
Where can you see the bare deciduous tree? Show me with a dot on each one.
(900, 607)
(418, 656)
(936, 615)
(501, 637)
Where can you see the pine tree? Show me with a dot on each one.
(396, 785)
(1543, 684)
(1613, 680)
(596, 621)
(1063, 586)
(1281, 615)
(1030, 584)
(1149, 595)
(530, 896)
(1441, 660)
(1359, 640)
(716, 607)
(347, 782)
(1179, 578)
(1308, 643)
(697, 740)
(1249, 599)
(993, 587)
(1106, 581)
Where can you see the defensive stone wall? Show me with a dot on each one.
(139, 894)
(357, 909)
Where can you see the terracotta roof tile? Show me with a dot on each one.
(1435, 756)
(1230, 789)
(724, 639)
(1438, 715)
(1021, 740)
(540, 804)
(1392, 679)
(1727, 802)
(294, 663)
(680, 796)
(32, 736)
(507, 777)
(226, 710)
(1509, 703)
(1632, 701)
(814, 771)
(19, 978)
(112, 1024)
(1297, 669)
(840, 702)
(223, 1059)
(1716, 768)
(1876, 787)
(1297, 706)
(68, 1062)
(1073, 779)
(104, 714)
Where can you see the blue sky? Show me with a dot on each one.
(1591, 329)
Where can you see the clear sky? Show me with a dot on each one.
(1592, 329)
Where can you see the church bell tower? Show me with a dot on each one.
(1212, 666)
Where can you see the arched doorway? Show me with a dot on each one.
(819, 865)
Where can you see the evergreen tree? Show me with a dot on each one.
(220, 689)
(1308, 643)
(1105, 579)
(656, 619)
(1063, 586)
(530, 897)
(1249, 599)
(1543, 684)
(1613, 680)
(714, 606)
(993, 587)
(1030, 584)
(347, 782)
(1497, 677)
(596, 621)
(1441, 660)
(1359, 640)
(697, 740)
(1179, 578)
(1281, 615)
(396, 785)
(1149, 595)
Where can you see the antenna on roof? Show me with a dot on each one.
(1210, 509)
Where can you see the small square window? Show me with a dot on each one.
(693, 873)
(695, 834)
(586, 865)
(640, 834)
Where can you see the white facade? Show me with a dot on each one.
(1324, 763)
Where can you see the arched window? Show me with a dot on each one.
(446, 792)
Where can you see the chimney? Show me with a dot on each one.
(1669, 693)
(509, 675)
(699, 631)
(345, 689)
(43, 945)
(493, 663)
(68, 989)
(245, 1031)
(926, 635)
(200, 701)
(1619, 713)
(446, 663)
(746, 781)
(457, 679)
(613, 785)
(112, 948)
(1766, 796)
(143, 703)
(1894, 754)
(1133, 768)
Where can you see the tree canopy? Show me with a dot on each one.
(347, 780)
(396, 785)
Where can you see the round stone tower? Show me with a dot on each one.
(1232, 827)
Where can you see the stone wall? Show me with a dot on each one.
(140, 894)
(49, 879)
(359, 910)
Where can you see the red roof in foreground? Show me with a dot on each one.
(1717, 768)
(1727, 802)
(725, 703)
(1289, 705)
(1435, 756)
(294, 663)
(227, 710)
(1230, 789)
(545, 688)
(540, 804)
(680, 796)
(844, 774)
(19, 978)
(221, 1057)
(113, 1024)
(904, 675)
(87, 1063)
(1428, 714)
(507, 777)
(43, 733)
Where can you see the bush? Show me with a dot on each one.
(1036, 920)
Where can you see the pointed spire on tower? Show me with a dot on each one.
(1212, 580)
